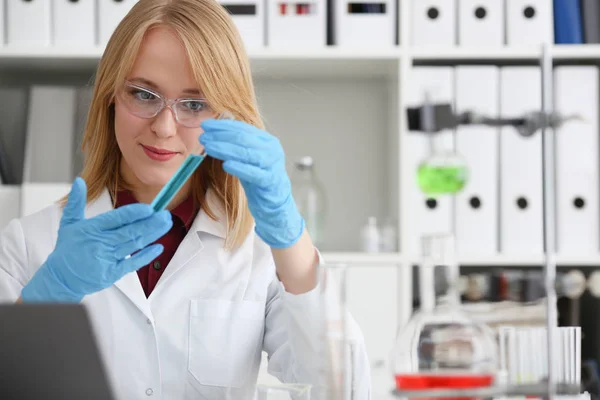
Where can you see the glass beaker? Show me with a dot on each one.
(284, 391)
(310, 198)
(183, 173)
(441, 347)
(335, 372)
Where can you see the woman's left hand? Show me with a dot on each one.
(258, 160)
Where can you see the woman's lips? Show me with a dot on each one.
(158, 154)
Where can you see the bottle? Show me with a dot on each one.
(370, 237)
(310, 198)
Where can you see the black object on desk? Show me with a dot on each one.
(49, 352)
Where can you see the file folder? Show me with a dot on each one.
(365, 23)
(478, 89)
(529, 22)
(568, 22)
(110, 14)
(249, 17)
(48, 169)
(427, 215)
(577, 178)
(13, 126)
(433, 23)
(74, 23)
(480, 23)
(521, 214)
(297, 25)
(590, 9)
(28, 23)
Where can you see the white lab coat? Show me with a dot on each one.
(200, 333)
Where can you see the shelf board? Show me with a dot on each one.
(325, 62)
(576, 52)
(458, 54)
(274, 63)
(473, 54)
(363, 258)
(529, 260)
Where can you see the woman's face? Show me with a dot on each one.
(153, 148)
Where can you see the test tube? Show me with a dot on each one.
(183, 173)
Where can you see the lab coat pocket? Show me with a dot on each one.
(225, 340)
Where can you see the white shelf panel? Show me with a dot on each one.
(533, 260)
(325, 62)
(375, 259)
(576, 52)
(321, 62)
(529, 53)
(423, 54)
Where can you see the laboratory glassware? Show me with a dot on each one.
(183, 173)
(443, 171)
(310, 197)
(284, 391)
(335, 372)
(441, 347)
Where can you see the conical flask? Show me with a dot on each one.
(441, 347)
(443, 171)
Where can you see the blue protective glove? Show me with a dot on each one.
(257, 159)
(89, 255)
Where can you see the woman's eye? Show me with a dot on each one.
(195, 105)
(143, 95)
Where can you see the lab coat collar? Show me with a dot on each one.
(189, 248)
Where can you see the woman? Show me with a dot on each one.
(228, 270)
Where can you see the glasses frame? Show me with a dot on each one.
(166, 103)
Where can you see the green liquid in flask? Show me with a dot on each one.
(441, 179)
(166, 194)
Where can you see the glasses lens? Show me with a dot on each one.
(141, 102)
(192, 113)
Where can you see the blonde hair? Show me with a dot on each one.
(221, 69)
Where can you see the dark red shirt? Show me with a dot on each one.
(183, 216)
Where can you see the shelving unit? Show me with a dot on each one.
(345, 107)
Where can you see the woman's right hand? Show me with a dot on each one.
(91, 254)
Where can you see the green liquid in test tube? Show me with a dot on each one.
(437, 179)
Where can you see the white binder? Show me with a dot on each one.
(480, 23)
(297, 25)
(48, 169)
(577, 178)
(365, 24)
(110, 14)
(74, 23)
(433, 23)
(427, 215)
(521, 214)
(28, 23)
(529, 22)
(477, 89)
(250, 20)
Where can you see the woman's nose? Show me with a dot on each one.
(165, 124)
